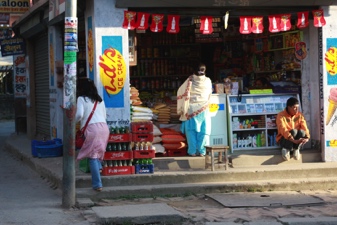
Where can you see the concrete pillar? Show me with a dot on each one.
(103, 24)
(329, 82)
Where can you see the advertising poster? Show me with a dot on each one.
(330, 59)
(112, 71)
(90, 49)
(69, 79)
(20, 82)
(70, 34)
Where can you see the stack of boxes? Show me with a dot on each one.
(143, 153)
(130, 152)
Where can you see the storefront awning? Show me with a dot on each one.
(220, 3)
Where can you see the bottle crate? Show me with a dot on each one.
(176, 152)
(118, 155)
(144, 154)
(142, 127)
(144, 168)
(142, 137)
(118, 170)
(120, 137)
(48, 148)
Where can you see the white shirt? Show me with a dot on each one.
(84, 108)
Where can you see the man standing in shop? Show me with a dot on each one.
(193, 99)
(292, 129)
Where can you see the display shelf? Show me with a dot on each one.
(252, 120)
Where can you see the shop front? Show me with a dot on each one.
(240, 48)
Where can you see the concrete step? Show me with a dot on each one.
(247, 158)
(182, 189)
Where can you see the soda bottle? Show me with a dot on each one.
(117, 130)
(119, 147)
(130, 162)
(115, 163)
(122, 130)
(149, 161)
(120, 163)
(108, 148)
(124, 146)
(114, 147)
(127, 129)
(112, 130)
(110, 163)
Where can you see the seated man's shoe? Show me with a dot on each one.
(297, 154)
(285, 154)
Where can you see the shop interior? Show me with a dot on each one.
(160, 62)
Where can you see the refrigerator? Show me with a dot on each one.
(218, 113)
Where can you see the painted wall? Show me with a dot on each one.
(329, 75)
(55, 81)
(107, 58)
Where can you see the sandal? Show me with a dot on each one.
(193, 155)
(98, 189)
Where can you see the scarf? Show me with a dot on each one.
(193, 96)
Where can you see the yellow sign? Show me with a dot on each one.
(14, 6)
(213, 107)
(112, 71)
(331, 61)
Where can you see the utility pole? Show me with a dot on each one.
(69, 103)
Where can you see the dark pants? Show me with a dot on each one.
(285, 143)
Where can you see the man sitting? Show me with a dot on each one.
(292, 129)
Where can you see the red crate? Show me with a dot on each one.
(118, 170)
(159, 154)
(144, 154)
(142, 127)
(176, 152)
(120, 137)
(142, 137)
(118, 155)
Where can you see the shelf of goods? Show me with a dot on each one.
(164, 60)
(130, 153)
(275, 54)
(252, 120)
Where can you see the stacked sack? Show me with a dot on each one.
(163, 113)
(141, 113)
(174, 117)
(134, 97)
(174, 142)
(157, 145)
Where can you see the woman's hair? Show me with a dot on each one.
(201, 69)
(87, 88)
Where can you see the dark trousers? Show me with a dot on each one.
(297, 134)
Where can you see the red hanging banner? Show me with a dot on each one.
(245, 24)
(142, 21)
(173, 24)
(129, 20)
(285, 24)
(206, 26)
(157, 23)
(274, 23)
(257, 24)
(302, 19)
(319, 20)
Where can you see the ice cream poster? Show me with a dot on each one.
(331, 118)
(330, 59)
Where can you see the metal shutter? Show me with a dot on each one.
(41, 66)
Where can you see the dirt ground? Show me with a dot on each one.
(200, 209)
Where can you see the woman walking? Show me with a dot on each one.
(97, 131)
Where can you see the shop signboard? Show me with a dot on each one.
(12, 46)
(14, 6)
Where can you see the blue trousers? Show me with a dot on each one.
(95, 166)
(197, 131)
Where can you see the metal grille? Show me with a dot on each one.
(41, 66)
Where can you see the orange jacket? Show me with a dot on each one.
(285, 123)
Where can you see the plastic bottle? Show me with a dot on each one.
(274, 139)
(254, 141)
(250, 141)
(239, 142)
(258, 140)
(263, 139)
(235, 141)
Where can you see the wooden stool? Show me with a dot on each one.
(219, 149)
